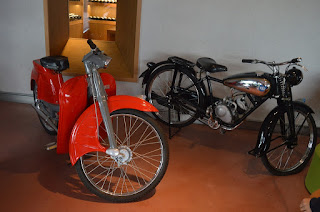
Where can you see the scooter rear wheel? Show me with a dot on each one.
(143, 160)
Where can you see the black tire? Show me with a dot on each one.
(283, 158)
(145, 152)
(158, 93)
(46, 127)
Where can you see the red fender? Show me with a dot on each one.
(84, 136)
(73, 102)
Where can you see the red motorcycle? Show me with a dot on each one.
(118, 151)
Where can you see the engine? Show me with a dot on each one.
(229, 109)
(226, 110)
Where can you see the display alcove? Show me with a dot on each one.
(113, 25)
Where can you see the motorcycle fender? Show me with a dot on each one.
(151, 68)
(73, 101)
(264, 133)
(84, 136)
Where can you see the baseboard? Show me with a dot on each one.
(16, 97)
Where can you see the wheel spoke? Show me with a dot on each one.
(136, 168)
(142, 174)
(148, 157)
(285, 165)
(301, 126)
(281, 156)
(139, 156)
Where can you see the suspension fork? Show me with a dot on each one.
(100, 93)
(287, 105)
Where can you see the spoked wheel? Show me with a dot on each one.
(181, 99)
(140, 166)
(286, 155)
(46, 126)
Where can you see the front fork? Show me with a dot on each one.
(101, 95)
(286, 103)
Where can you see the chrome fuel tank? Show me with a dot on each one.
(253, 83)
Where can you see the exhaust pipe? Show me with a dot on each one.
(45, 118)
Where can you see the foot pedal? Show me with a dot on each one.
(51, 146)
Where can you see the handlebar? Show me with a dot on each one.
(93, 47)
(91, 44)
(255, 61)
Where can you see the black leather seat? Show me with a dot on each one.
(210, 65)
(56, 63)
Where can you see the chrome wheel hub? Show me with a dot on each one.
(124, 157)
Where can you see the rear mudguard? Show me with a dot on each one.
(264, 133)
(173, 61)
(177, 61)
(84, 137)
(151, 68)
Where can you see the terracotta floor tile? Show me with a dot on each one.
(207, 172)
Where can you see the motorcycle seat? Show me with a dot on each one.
(56, 63)
(210, 65)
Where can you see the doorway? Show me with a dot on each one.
(114, 25)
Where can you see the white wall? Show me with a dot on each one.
(226, 30)
(230, 30)
(21, 41)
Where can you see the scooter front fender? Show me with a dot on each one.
(84, 136)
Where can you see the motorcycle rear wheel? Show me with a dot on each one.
(283, 158)
(186, 89)
(145, 157)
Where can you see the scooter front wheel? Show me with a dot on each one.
(140, 166)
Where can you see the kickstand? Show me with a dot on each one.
(170, 126)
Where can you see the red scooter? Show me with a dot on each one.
(118, 151)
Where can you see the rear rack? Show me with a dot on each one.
(181, 61)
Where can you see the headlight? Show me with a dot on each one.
(294, 76)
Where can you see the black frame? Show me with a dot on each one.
(210, 99)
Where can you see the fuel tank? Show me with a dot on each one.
(258, 84)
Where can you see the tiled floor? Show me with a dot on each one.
(207, 172)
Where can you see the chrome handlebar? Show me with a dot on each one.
(255, 61)
(275, 66)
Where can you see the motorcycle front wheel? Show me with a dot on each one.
(284, 157)
(141, 166)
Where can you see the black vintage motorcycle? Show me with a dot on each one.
(287, 136)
